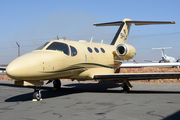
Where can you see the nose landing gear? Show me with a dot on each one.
(37, 96)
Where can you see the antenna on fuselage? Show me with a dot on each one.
(102, 41)
(91, 39)
(57, 38)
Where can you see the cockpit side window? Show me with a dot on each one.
(62, 47)
(73, 51)
(42, 46)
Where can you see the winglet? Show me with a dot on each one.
(173, 22)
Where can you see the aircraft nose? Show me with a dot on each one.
(18, 69)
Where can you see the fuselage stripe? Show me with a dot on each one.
(89, 65)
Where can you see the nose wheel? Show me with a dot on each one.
(37, 95)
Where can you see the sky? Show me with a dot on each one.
(31, 23)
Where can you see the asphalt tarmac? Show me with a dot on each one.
(91, 101)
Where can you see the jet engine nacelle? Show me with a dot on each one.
(125, 51)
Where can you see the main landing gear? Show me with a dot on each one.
(126, 86)
(56, 84)
(37, 96)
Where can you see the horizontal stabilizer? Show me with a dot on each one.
(163, 48)
(118, 23)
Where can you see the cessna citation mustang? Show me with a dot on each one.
(63, 59)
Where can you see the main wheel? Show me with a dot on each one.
(57, 83)
(125, 88)
(178, 60)
(161, 61)
(37, 95)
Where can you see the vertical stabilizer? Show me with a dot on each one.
(162, 51)
(122, 33)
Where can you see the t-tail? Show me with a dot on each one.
(166, 58)
(123, 50)
(123, 31)
(162, 50)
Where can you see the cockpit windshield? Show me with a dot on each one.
(42, 46)
(62, 47)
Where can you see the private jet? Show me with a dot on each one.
(165, 58)
(81, 60)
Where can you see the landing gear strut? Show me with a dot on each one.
(126, 85)
(37, 94)
(57, 84)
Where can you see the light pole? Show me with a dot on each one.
(18, 49)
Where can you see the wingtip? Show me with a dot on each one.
(173, 22)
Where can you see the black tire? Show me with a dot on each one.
(178, 60)
(37, 95)
(125, 88)
(57, 84)
(161, 61)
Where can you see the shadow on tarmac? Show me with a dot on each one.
(101, 87)
(175, 116)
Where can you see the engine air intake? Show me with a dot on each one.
(125, 51)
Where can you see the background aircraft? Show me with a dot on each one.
(81, 60)
(165, 58)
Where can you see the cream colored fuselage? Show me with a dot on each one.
(51, 64)
(76, 60)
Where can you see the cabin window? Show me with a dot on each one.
(102, 50)
(96, 50)
(89, 49)
(62, 47)
(73, 51)
(42, 46)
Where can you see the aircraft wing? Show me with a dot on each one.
(139, 76)
(139, 65)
